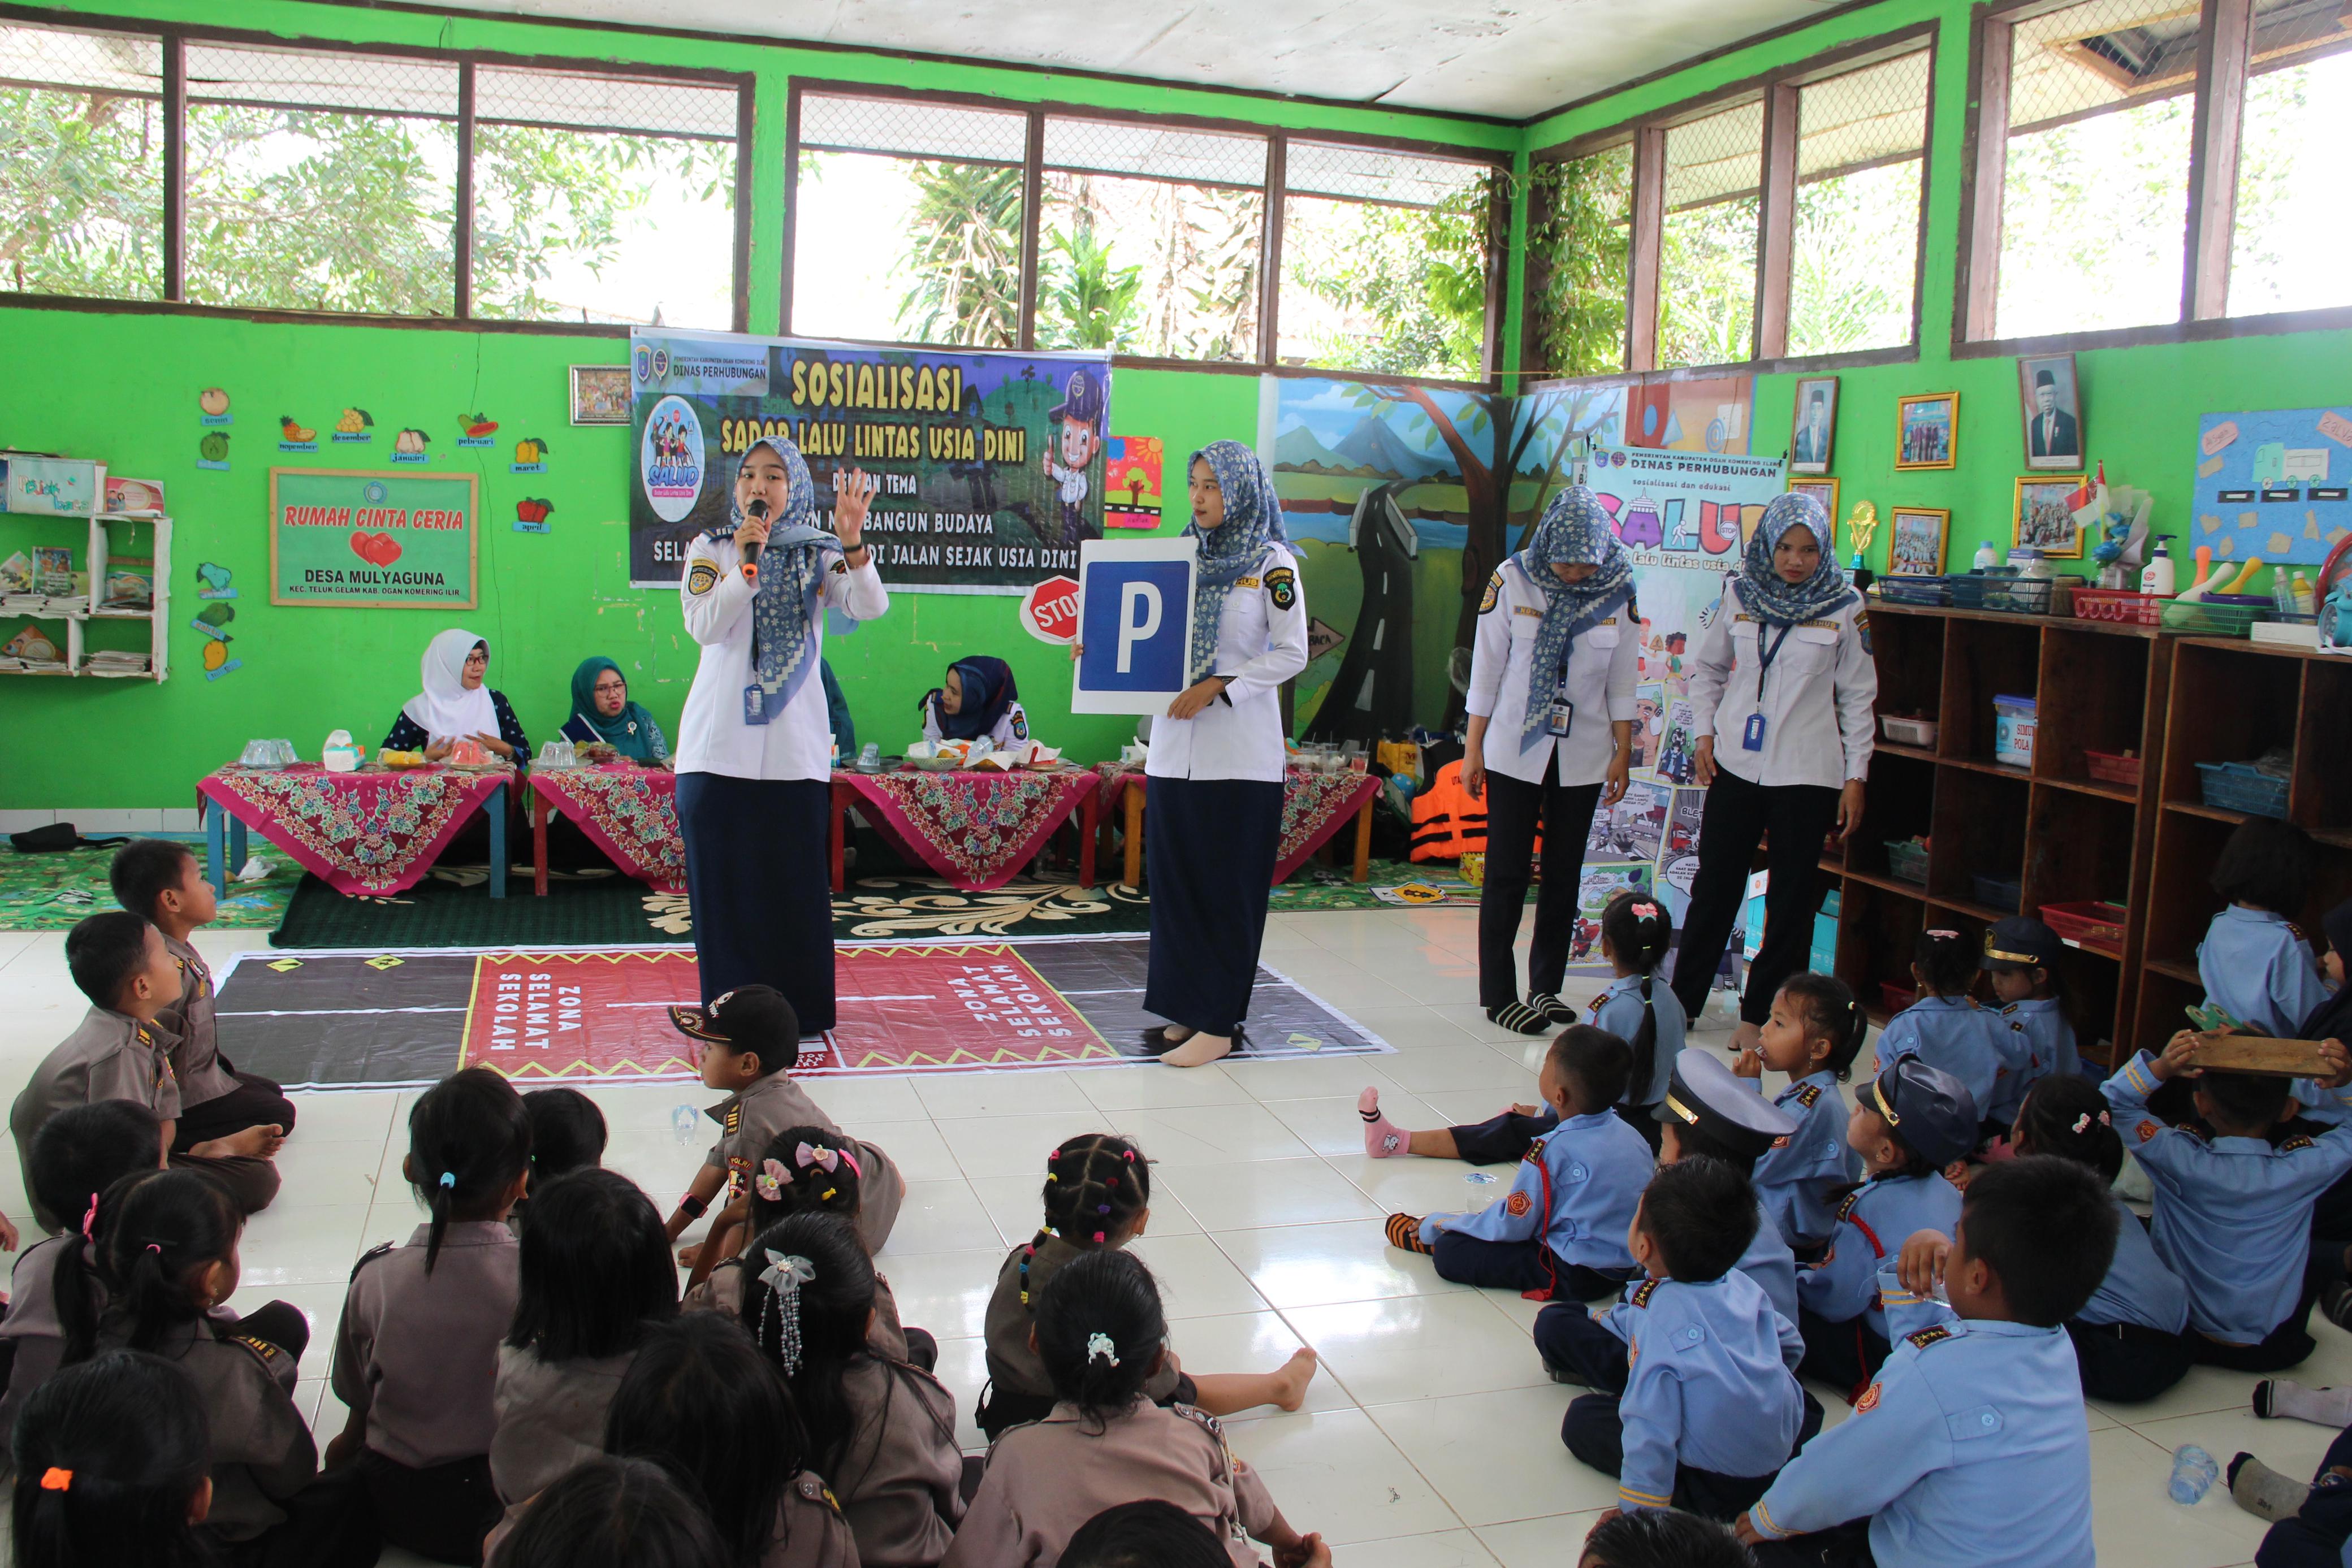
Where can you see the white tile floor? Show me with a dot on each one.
(1430, 1436)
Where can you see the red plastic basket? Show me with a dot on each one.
(1897, 998)
(2098, 926)
(2112, 767)
(2120, 606)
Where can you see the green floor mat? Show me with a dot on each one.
(52, 892)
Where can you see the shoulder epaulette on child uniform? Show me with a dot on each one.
(1845, 1209)
(815, 1490)
(1807, 1095)
(260, 1347)
(2300, 1141)
(1928, 1336)
(1642, 1294)
(370, 1256)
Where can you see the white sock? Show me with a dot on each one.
(2324, 1407)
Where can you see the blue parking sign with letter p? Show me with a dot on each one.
(1135, 623)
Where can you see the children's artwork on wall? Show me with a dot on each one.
(1600, 882)
(529, 455)
(1815, 426)
(51, 486)
(530, 515)
(1926, 433)
(1131, 481)
(211, 450)
(2044, 516)
(295, 436)
(1825, 491)
(475, 429)
(1917, 545)
(2276, 485)
(211, 406)
(133, 495)
(2049, 407)
(214, 581)
(600, 394)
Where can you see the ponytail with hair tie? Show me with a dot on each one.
(469, 1141)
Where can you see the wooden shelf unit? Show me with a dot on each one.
(2064, 836)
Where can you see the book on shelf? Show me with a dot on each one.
(129, 589)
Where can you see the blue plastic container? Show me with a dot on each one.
(2242, 787)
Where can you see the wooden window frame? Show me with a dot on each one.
(2224, 36)
(1780, 91)
(1275, 191)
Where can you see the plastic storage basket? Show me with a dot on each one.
(2242, 787)
(1909, 731)
(2119, 606)
(2112, 767)
(1969, 590)
(1907, 860)
(1897, 998)
(1913, 589)
(2096, 925)
(1999, 893)
(2020, 595)
(2218, 614)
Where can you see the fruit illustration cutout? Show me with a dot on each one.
(477, 425)
(354, 420)
(376, 550)
(213, 447)
(531, 449)
(212, 400)
(533, 510)
(411, 441)
(288, 430)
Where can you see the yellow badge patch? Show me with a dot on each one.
(701, 578)
(1494, 592)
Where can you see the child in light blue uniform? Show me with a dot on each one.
(2127, 1340)
(1971, 1449)
(1710, 1410)
(1637, 1007)
(1561, 1228)
(1813, 1034)
(1907, 1125)
(2021, 957)
(1946, 1027)
(2254, 962)
(2233, 1212)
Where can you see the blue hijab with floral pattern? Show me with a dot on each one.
(1575, 531)
(786, 612)
(1769, 597)
(1237, 548)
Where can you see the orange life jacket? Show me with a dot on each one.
(1446, 823)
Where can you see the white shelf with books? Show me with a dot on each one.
(119, 585)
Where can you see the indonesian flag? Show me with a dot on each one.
(2090, 490)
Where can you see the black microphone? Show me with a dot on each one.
(751, 550)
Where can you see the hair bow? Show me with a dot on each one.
(56, 1480)
(1101, 1345)
(2083, 1123)
(824, 1159)
(784, 1276)
(1647, 911)
(770, 1183)
(1945, 935)
(90, 1217)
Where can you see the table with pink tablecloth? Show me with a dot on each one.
(371, 833)
(1315, 806)
(978, 830)
(629, 813)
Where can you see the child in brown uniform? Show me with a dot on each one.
(164, 883)
(120, 963)
(1098, 1198)
(1102, 1335)
(416, 1355)
(750, 1038)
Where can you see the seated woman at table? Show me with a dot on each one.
(978, 697)
(602, 714)
(455, 705)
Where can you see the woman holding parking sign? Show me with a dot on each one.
(1551, 737)
(1214, 802)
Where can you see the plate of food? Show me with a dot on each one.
(401, 760)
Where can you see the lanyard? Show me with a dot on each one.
(1766, 655)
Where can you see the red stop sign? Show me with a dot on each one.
(1050, 610)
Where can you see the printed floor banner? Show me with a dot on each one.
(991, 465)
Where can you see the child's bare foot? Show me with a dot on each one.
(687, 1257)
(1383, 1139)
(1295, 1374)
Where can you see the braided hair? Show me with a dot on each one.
(2065, 1114)
(468, 1143)
(782, 1184)
(154, 1230)
(1095, 1187)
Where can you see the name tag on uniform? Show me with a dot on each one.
(1752, 738)
(1563, 713)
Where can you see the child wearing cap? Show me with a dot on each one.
(1969, 1449)
(2232, 1210)
(749, 1038)
(1947, 1027)
(2021, 955)
(1908, 1125)
(1710, 1410)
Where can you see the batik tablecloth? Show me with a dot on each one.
(373, 832)
(1315, 806)
(976, 829)
(630, 814)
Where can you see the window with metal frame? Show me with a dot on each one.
(602, 198)
(1853, 259)
(1708, 237)
(1383, 261)
(2287, 250)
(81, 162)
(1579, 243)
(907, 221)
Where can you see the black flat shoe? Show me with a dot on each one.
(1156, 1041)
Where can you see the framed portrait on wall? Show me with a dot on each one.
(2050, 404)
(2044, 516)
(1815, 428)
(1917, 546)
(1928, 430)
(1825, 491)
(600, 394)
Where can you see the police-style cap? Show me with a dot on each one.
(1931, 1111)
(749, 1018)
(1706, 1094)
(2021, 941)
(1082, 400)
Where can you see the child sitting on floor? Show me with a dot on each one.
(1812, 1035)
(1945, 1028)
(2021, 955)
(1907, 1125)
(2233, 1213)
(1970, 1451)
(1098, 1199)
(1710, 1411)
(1661, 1538)
(1561, 1228)
(2254, 962)
(567, 1134)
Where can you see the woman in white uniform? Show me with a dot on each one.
(754, 756)
(1213, 806)
(1782, 692)
(1551, 735)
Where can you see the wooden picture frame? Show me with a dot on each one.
(1919, 540)
(2046, 490)
(1916, 445)
(1825, 491)
(369, 508)
(600, 394)
(1812, 444)
(2058, 431)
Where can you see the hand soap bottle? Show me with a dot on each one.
(2156, 576)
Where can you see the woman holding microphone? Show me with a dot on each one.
(1782, 694)
(754, 756)
(1552, 723)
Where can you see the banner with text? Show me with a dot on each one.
(991, 464)
(347, 536)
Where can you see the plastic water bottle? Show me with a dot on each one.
(1987, 556)
(2193, 1471)
(682, 1122)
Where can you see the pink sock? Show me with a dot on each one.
(1383, 1139)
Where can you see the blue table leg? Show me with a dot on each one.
(215, 815)
(499, 843)
(236, 855)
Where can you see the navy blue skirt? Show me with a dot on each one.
(1209, 846)
(759, 881)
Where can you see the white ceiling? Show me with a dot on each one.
(1512, 59)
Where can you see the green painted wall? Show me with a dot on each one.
(122, 387)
